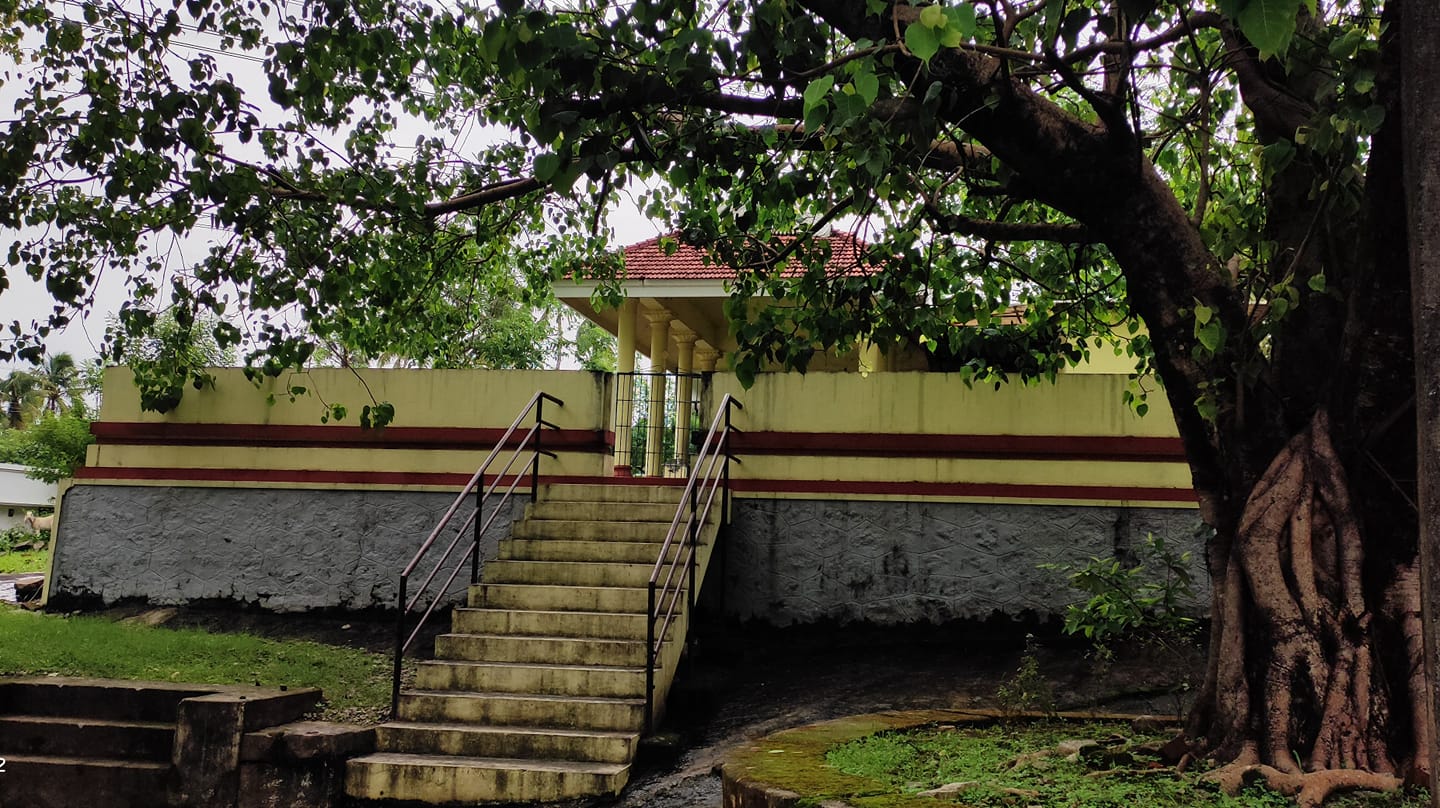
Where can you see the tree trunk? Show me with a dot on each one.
(1313, 678)
(1420, 86)
(1316, 679)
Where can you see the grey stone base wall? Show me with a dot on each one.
(797, 561)
(281, 549)
(785, 561)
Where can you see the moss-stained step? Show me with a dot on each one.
(520, 677)
(568, 573)
(605, 511)
(589, 530)
(610, 625)
(523, 710)
(469, 740)
(445, 779)
(49, 735)
(663, 494)
(552, 597)
(543, 650)
(56, 781)
(594, 551)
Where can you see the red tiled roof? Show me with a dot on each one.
(649, 260)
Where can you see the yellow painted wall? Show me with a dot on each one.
(482, 399)
(940, 403)
(1080, 404)
(471, 398)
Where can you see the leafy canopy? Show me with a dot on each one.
(286, 175)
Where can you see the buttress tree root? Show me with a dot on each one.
(1311, 640)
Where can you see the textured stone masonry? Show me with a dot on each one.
(786, 560)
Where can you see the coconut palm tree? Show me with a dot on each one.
(22, 394)
(58, 379)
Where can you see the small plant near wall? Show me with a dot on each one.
(1026, 690)
(1141, 603)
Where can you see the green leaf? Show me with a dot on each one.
(546, 165)
(962, 19)
(1317, 282)
(867, 85)
(1211, 335)
(933, 16)
(922, 41)
(816, 92)
(1269, 24)
(1203, 314)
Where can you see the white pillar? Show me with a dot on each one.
(705, 359)
(655, 432)
(684, 365)
(624, 386)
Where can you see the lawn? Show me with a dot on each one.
(356, 682)
(24, 561)
(993, 766)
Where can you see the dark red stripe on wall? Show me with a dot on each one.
(817, 444)
(1007, 447)
(988, 490)
(852, 487)
(334, 437)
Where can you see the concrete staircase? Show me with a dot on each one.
(538, 694)
(68, 742)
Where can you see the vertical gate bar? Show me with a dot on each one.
(399, 652)
(693, 540)
(725, 447)
(535, 462)
(479, 519)
(650, 663)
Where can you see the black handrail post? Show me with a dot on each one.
(650, 662)
(535, 462)
(693, 541)
(725, 486)
(399, 652)
(479, 517)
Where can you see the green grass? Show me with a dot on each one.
(911, 761)
(24, 561)
(356, 683)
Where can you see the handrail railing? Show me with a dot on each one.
(472, 552)
(711, 475)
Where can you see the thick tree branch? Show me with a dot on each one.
(1057, 232)
(1278, 114)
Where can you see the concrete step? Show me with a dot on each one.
(522, 710)
(543, 650)
(568, 573)
(619, 492)
(66, 736)
(603, 511)
(593, 530)
(557, 598)
(437, 779)
(594, 551)
(95, 698)
(524, 677)
(46, 781)
(515, 622)
(517, 742)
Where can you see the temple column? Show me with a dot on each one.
(684, 388)
(655, 430)
(624, 386)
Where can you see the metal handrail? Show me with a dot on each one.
(531, 440)
(666, 595)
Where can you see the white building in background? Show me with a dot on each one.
(19, 493)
